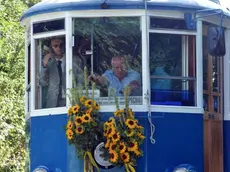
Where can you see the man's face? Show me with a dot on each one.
(119, 68)
(56, 45)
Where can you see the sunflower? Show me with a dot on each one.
(130, 123)
(79, 130)
(137, 152)
(109, 123)
(96, 106)
(69, 134)
(107, 144)
(88, 103)
(78, 120)
(86, 118)
(140, 136)
(105, 132)
(132, 146)
(122, 147)
(113, 156)
(139, 126)
(111, 120)
(122, 111)
(69, 125)
(116, 137)
(89, 111)
(82, 99)
(76, 109)
(129, 133)
(110, 132)
(112, 147)
(125, 157)
(117, 113)
(69, 111)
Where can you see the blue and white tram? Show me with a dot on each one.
(181, 50)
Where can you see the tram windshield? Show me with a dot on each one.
(110, 47)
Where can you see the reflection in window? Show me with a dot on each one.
(172, 69)
(50, 72)
(49, 26)
(110, 47)
(167, 23)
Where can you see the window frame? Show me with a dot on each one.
(27, 71)
(198, 108)
(69, 43)
(144, 26)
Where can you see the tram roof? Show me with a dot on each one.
(49, 6)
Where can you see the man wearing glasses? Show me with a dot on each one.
(54, 74)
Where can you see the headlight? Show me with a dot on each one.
(180, 170)
(41, 169)
(184, 168)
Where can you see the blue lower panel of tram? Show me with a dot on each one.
(226, 137)
(179, 140)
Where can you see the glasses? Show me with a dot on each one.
(56, 45)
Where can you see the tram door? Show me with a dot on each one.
(213, 106)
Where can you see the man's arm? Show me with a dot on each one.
(135, 83)
(99, 80)
(44, 76)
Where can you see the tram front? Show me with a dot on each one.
(144, 56)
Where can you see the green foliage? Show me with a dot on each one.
(12, 123)
(30, 3)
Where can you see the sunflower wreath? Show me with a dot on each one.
(124, 136)
(84, 128)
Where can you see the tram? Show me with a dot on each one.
(180, 49)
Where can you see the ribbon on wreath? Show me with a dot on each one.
(129, 167)
(91, 159)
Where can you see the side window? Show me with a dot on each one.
(172, 69)
(110, 47)
(47, 26)
(50, 69)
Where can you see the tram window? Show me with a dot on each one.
(110, 47)
(49, 26)
(172, 69)
(165, 23)
(50, 70)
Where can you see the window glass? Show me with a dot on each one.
(110, 48)
(156, 23)
(172, 69)
(50, 72)
(49, 26)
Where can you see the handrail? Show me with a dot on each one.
(173, 77)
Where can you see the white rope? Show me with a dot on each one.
(152, 126)
(147, 96)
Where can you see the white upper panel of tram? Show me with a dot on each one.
(49, 6)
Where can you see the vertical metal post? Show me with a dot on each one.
(199, 65)
(33, 69)
(69, 57)
(91, 47)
